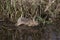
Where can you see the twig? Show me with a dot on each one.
(49, 5)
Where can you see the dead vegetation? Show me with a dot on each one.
(29, 19)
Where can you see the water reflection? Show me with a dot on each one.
(29, 37)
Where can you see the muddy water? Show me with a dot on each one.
(52, 32)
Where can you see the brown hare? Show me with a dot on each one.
(26, 21)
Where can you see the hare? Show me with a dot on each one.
(26, 21)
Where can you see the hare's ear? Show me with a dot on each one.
(22, 15)
(34, 16)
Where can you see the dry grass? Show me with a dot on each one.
(43, 11)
